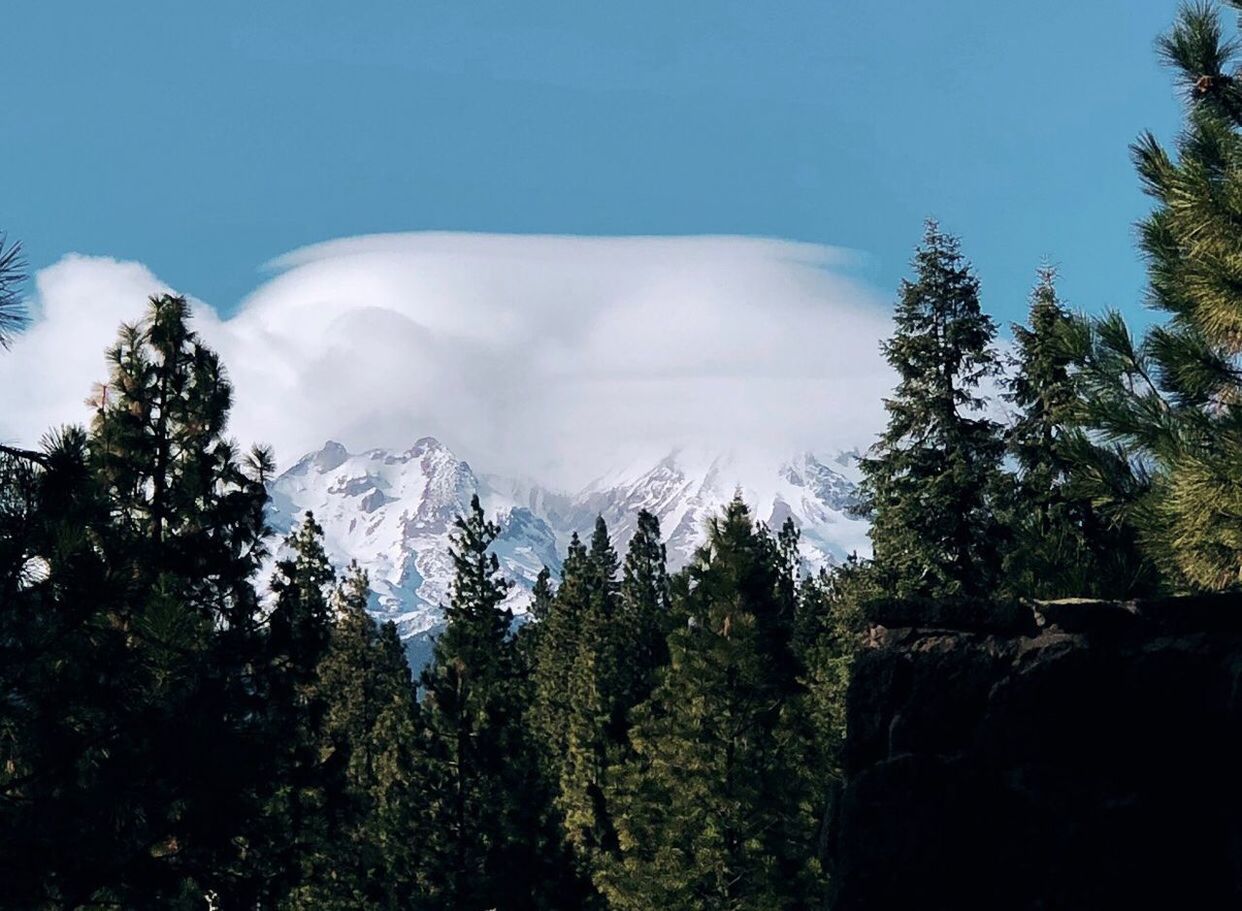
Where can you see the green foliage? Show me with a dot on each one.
(714, 807)
(555, 654)
(600, 642)
(291, 830)
(645, 741)
(930, 480)
(644, 610)
(830, 629)
(366, 802)
(67, 672)
(1171, 400)
(141, 721)
(471, 744)
(595, 719)
(1065, 542)
(12, 277)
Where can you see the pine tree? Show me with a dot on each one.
(1062, 545)
(929, 480)
(526, 641)
(1172, 401)
(187, 514)
(614, 637)
(645, 607)
(549, 866)
(829, 635)
(1044, 392)
(541, 595)
(392, 829)
(12, 277)
(555, 653)
(367, 798)
(713, 808)
(595, 718)
(469, 732)
(69, 677)
(292, 832)
(150, 586)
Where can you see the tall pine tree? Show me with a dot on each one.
(292, 829)
(367, 813)
(169, 533)
(645, 607)
(555, 653)
(928, 483)
(1172, 399)
(71, 680)
(714, 807)
(596, 707)
(1062, 545)
(469, 736)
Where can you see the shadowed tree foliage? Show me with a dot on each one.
(1062, 544)
(471, 743)
(366, 797)
(555, 653)
(67, 671)
(143, 540)
(292, 828)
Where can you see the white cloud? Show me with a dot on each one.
(48, 374)
(551, 357)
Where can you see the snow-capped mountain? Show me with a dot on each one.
(393, 513)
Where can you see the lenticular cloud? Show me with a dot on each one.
(551, 357)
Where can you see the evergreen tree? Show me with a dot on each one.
(68, 675)
(928, 482)
(595, 718)
(1062, 545)
(645, 607)
(829, 634)
(365, 855)
(148, 587)
(469, 734)
(526, 642)
(1046, 397)
(555, 653)
(292, 829)
(713, 808)
(613, 637)
(394, 798)
(541, 852)
(541, 595)
(188, 517)
(1172, 401)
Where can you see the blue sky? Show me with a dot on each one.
(205, 139)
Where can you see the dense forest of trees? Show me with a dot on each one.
(173, 737)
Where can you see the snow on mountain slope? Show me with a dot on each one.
(685, 489)
(393, 513)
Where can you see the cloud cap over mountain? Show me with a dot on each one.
(552, 357)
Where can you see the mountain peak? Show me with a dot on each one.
(331, 456)
(393, 512)
(427, 444)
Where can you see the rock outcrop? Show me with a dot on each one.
(1064, 755)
